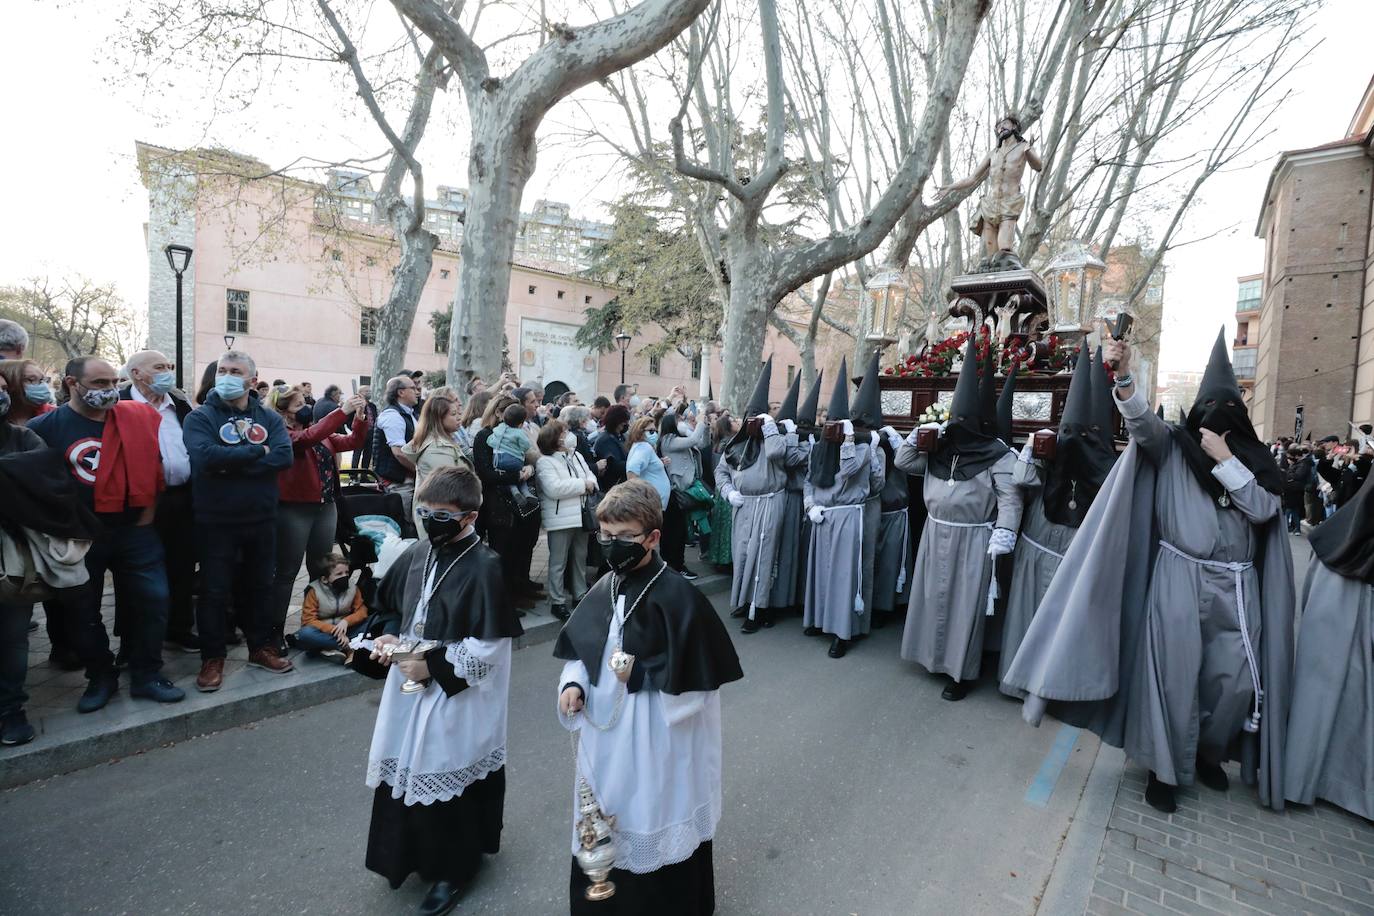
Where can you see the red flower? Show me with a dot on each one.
(888, 370)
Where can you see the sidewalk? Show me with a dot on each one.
(69, 741)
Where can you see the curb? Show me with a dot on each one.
(155, 726)
(1075, 867)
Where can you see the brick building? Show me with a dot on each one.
(1314, 337)
(1245, 349)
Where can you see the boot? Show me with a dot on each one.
(838, 647)
(1160, 795)
(1212, 776)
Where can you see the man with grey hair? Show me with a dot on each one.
(152, 378)
(14, 340)
(237, 447)
(396, 427)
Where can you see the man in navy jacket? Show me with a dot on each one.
(237, 448)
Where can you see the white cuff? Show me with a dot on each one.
(1132, 407)
(1232, 474)
(770, 428)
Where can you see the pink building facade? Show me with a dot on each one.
(286, 279)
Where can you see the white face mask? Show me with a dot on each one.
(634, 400)
(569, 441)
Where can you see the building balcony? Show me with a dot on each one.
(1247, 306)
(1243, 361)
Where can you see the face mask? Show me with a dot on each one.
(634, 400)
(305, 416)
(230, 387)
(569, 441)
(98, 399)
(38, 392)
(339, 586)
(624, 555)
(441, 532)
(163, 382)
(652, 439)
(4, 403)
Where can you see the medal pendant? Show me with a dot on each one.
(620, 664)
(1224, 500)
(1073, 504)
(950, 482)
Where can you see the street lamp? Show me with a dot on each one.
(622, 340)
(888, 290)
(228, 341)
(178, 256)
(1073, 278)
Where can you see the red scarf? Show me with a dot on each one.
(130, 471)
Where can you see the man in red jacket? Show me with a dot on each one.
(111, 447)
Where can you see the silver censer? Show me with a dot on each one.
(597, 856)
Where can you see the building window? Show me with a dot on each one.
(368, 319)
(335, 254)
(560, 294)
(791, 374)
(370, 261)
(696, 366)
(586, 300)
(443, 273)
(655, 365)
(440, 341)
(531, 290)
(364, 380)
(236, 311)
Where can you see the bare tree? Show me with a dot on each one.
(80, 316)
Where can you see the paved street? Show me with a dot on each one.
(851, 787)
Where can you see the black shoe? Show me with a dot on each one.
(687, 574)
(739, 612)
(97, 694)
(955, 691)
(812, 631)
(767, 614)
(64, 659)
(559, 610)
(15, 729)
(750, 626)
(1160, 796)
(838, 647)
(1212, 776)
(442, 898)
(182, 642)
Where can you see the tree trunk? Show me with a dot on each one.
(500, 163)
(746, 320)
(398, 315)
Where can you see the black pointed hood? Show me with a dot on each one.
(788, 410)
(758, 401)
(1345, 541)
(1220, 407)
(710, 388)
(1005, 404)
(806, 415)
(987, 391)
(1084, 452)
(825, 455)
(1159, 411)
(1104, 412)
(965, 449)
(868, 403)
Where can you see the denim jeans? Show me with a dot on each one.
(236, 563)
(176, 532)
(14, 656)
(1294, 517)
(312, 639)
(133, 554)
(305, 531)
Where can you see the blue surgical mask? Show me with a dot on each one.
(230, 387)
(4, 403)
(163, 382)
(652, 439)
(38, 392)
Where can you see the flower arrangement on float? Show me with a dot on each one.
(935, 413)
(1045, 357)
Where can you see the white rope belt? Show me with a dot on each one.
(906, 545)
(1040, 547)
(758, 567)
(992, 580)
(1236, 570)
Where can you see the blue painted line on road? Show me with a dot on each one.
(1043, 785)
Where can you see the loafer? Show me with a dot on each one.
(268, 659)
(560, 611)
(211, 676)
(838, 647)
(955, 691)
(15, 729)
(159, 689)
(441, 898)
(98, 693)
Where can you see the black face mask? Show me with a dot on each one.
(623, 555)
(443, 532)
(339, 586)
(305, 416)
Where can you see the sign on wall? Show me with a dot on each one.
(549, 353)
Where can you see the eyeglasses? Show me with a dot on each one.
(441, 515)
(605, 539)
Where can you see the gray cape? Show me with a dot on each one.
(1330, 750)
(1078, 659)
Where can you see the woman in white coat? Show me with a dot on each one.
(565, 480)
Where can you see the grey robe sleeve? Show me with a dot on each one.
(1027, 475)
(725, 485)
(910, 460)
(1008, 495)
(797, 454)
(1145, 427)
(774, 444)
(877, 470)
(1255, 503)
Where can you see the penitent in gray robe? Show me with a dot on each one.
(834, 579)
(1039, 549)
(947, 612)
(893, 561)
(757, 525)
(1143, 646)
(790, 585)
(1330, 750)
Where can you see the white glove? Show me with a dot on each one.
(736, 498)
(894, 438)
(816, 514)
(848, 427)
(1026, 457)
(874, 439)
(1002, 542)
(788, 426)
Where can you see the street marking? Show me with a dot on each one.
(1043, 785)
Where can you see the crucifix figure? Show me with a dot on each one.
(1003, 199)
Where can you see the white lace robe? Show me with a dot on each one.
(658, 770)
(430, 746)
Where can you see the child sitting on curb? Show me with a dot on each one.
(332, 612)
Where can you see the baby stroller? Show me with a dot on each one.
(364, 509)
